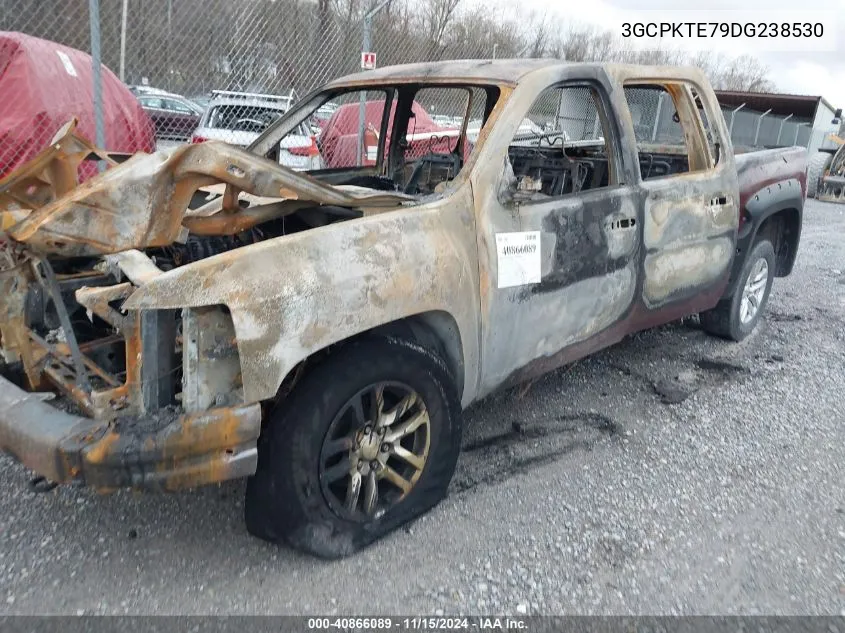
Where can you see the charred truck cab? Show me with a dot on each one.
(206, 313)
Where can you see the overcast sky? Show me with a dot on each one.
(811, 73)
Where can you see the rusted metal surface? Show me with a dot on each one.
(212, 368)
(171, 452)
(165, 451)
(234, 223)
(51, 174)
(125, 399)
(15, 343)
(42, 437)
(142, 202)
(614, 260)
(137, 266)
(51, 283)
(45, 350)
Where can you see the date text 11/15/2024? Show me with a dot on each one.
(491, 623)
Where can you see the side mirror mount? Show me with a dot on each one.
(507, 184)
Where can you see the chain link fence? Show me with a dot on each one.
(177, 71)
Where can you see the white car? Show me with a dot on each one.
(239, 118)
(526, 129)
(443, 121)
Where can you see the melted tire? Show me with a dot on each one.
(284, 500)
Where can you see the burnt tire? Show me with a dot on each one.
(290, 499)
(816, 166)
(729, 319)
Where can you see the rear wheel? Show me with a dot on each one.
(737, 316)
(366, 441)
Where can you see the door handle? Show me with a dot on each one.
(623, 223)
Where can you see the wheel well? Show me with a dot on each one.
(436, 330)
(782, 229)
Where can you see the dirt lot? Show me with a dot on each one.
(673, 473)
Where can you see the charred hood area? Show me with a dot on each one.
(71, 253)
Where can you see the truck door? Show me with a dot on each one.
(689, 188)
(560, 235)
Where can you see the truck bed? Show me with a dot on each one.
(758, 169)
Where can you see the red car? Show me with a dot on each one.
(44, 85)
(338, 140)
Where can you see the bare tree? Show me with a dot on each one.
(537, 34)
(745, 73)
(437, 16)
(585, 43)
(273, 45)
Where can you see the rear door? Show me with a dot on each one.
(689, 188)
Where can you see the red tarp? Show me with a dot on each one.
(43, 85)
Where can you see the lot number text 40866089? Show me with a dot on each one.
(417, 623)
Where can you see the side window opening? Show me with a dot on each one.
(562, 146)
(177, 107)
(341, 140)
(152, 102)
(710, 133)
(671, 129)
(434, 148)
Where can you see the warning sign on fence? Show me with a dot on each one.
(368, 61)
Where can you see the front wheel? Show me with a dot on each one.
(367, 440)
(737, 316)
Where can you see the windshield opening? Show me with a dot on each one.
(350, 135)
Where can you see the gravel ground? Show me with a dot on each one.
(673, 473)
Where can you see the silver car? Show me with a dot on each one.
(239, 118)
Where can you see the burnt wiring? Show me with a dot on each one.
(548, 162)
(551, 140)
(435, 139)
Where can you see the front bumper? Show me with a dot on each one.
(157, 451)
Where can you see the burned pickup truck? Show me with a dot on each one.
(204, 313)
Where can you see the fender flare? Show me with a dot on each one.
(774, 198)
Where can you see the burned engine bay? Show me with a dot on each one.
(78, 251)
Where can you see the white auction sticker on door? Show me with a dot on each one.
(518, 255)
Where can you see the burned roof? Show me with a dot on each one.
(502, 71)
(506, 71)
